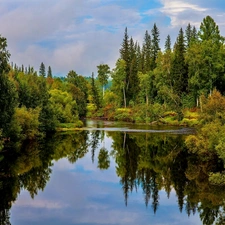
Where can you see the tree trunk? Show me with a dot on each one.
(124, 98)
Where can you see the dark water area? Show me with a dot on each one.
(108, 173)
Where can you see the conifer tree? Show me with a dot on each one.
(168, 44)
(179, 71)
(124, 50)
(42, 70)
(147, 51)
(128, 54)
(155, 45)
(133, 81)
(188, 34)
(49, 72)
(194, 34)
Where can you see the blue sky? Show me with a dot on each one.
(80, 34)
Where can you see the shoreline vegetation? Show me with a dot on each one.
(191, 119)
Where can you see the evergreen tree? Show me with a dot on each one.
(128, 54)
(194, 35)
(49, 72)
(188, 34)
(132, 81)
(179, 70)
(155, 45)
(4, 56)
(124, 50)
(168, 44)
(42, 70)
(147, 52)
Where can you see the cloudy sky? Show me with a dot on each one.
(80, 34)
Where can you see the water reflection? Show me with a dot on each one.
(147, 165)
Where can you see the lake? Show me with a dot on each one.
(108, 173)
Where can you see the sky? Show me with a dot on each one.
(81, 34)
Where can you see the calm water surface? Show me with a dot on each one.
(104, 176)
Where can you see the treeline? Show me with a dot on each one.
(33, 104)
(147, 78)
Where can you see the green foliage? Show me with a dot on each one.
(78, 87)
(217, 178)
(209, 30)
(119, 81)
(123, 114)
(103, 159)
(65, 108)
(70, 126)
(103, 74)
(188, 101)
(213, 108)
(8, 101)
(25, 124)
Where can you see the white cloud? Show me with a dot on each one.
(39, 203)
(182, 12)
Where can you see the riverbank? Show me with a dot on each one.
(190, 119)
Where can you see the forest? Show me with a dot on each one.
(182, 84)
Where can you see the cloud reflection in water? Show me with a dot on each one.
(81, 194)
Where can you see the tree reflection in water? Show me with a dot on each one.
(152, 162)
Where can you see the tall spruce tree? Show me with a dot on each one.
(194, 35)
(128, 54)
(49, 72)
(155, 45)
(167, 44)
(147, 51)
(188, 34)
(179, 70)
(42, 70)
(133, 81)
(124, 50)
